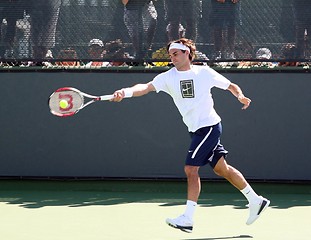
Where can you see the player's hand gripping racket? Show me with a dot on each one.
(67, 101)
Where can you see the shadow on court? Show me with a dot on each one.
(38, 194)
(221, 238)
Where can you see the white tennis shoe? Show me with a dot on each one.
(256, 209)
(182, 222)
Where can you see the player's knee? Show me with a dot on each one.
(217, 172)
(222, 168)
(223, 171)
(191, 171)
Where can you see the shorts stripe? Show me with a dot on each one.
(201, 143)
(211, 158)
(205, 147)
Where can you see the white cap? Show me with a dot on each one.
(96, 41)
(263, 53)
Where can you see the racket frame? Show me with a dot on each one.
(82, 95)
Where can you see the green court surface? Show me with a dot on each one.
(136, 210)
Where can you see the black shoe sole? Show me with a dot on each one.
(184, 229)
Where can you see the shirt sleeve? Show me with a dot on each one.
(219, 80)
(159, 83)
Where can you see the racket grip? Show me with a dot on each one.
(106, 97)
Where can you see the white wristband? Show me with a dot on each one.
(128, 92)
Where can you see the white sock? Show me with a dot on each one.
(190, 209)
(250, 194)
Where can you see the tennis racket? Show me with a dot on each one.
(68, 101)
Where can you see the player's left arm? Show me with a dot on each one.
(237, 92)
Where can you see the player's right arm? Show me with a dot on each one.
(135, 91)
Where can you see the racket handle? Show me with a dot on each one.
(127, 94)
(106, 97)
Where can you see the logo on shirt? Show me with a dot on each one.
(187, 88)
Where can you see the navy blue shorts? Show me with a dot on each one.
(205, 147)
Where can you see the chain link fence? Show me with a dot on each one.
(126, 32)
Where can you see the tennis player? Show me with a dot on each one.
(190, 87)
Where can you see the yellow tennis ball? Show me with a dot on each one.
(63, 104)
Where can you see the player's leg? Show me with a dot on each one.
(200, 153)
(185, 221)
(257, 204)
(230, 173)
(194, 182)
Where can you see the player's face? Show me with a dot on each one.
(179, 58)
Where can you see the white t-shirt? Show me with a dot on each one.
(191, 92)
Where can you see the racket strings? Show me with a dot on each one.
(74, 99)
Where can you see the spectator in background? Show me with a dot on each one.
(96, 52)
(114, 50)
(68, 54)
(23, 34)
(140, 18)
(289, 52)
(10, 11)
(223, 22)
(44, 18)
(261, 54)
(302, 13)
(287, 25)
(182, 17)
